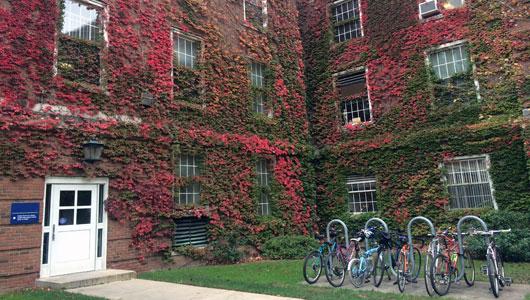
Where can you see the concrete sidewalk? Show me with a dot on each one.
(138, 289)
(460, 290)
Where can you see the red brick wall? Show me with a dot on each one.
(20, 245)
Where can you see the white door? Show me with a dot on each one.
(73, 228)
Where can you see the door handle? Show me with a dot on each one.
(53, 232)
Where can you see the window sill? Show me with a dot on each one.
(258, 29)
(184, 105)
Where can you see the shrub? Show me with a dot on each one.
(289, 247)
(225, 250)
(513, 245)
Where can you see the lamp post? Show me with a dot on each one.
(92, 151)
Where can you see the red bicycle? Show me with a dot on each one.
(444, 267)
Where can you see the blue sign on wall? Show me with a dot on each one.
(24, 213)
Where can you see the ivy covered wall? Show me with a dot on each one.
(418, 122)
(50, 104)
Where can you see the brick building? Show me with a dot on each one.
(198, 107)
(201, 110)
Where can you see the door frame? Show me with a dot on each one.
(100, 262)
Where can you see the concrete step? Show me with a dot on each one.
(83, 279)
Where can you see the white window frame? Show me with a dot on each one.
(362, 180)
(200, 51)
(263, 12)
(453, 45)
(366, 75)
(264, 204)
(470, 157)
(104, 20)
(262, 97)
(185, 190)
(339, 2)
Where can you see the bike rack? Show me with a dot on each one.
(389, 256)
(345, 231)
(461, 245)
(409, 233)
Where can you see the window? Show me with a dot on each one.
(264, 176)
(450, 4)
(452, 78)
(190, 231)
(80, 42)
(346, 18)
(81, 20)
(257, 81)
(361, 194)
(450, 61)
(185, 51)
(255, 11)
(355, 106)
(468, 183)
(190, 193)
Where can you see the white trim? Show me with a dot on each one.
(101, 263)
(330, 6)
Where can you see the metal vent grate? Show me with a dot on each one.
(351, 79)
(190, 231)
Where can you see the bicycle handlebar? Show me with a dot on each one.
(492, 232)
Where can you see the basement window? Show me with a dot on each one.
(190, 231)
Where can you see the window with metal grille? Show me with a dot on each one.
(450, 61)
(81, 20)
(468, 183)
(356, 107)
(361, 194)
(185, 51)
(263, 181)
(190, 231)
(191, 193)
(346, 18)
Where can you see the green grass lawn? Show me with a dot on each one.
(280, 278)
(283, 278)
(43, 294)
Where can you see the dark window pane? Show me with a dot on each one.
(100, 243)
(66, 217)
(83, 216)
(84, 198)
(67, 198)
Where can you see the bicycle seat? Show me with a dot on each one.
(357, 239)
(319, 236)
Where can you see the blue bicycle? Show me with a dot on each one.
(362, 267)
(314, 261)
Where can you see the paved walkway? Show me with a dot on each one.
(480, 290)
(138, 289)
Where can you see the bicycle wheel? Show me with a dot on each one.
(500, 267)
(312, 266)
(427, 274)
(441, 273)
(401, 271)
(335, 269)
(492, 274)
(379, 267)
(469, 269)
(357, 274)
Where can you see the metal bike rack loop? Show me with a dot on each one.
(409, 233)
(461, 245)
(389, 256)
(345, 231)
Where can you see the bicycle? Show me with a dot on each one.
(495, 266)
(404, 258)
(361, 267)
(337, 262)
(444, 267)
(313, 262)
(380, 266)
